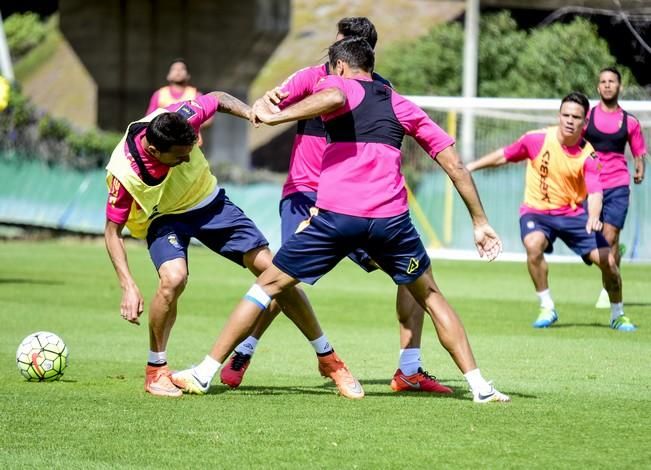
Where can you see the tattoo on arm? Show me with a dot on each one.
(230, 105)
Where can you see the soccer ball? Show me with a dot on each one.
(42, 357)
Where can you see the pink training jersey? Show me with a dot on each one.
(364, 179)
(119, 201)
(615, 169)
(528, 147)
(176, 95)
(307, 151)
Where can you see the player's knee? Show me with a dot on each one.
(258, 260)
(608, 262)
(535, 246)
(173, 281)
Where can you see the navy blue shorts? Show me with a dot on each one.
(570, 229)
(295, 208)
(615, 208)
(221, 226)
(392, 242)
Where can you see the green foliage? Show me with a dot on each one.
(20, 111)
(558, 59)
(429, 66)
(51, 128)
(24, 31)
(25, 130)
(543, 63)
(93, 145)
(500, 47)
(37, 56)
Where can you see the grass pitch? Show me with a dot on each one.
(581, 392)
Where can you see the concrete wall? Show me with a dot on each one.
(127, 46)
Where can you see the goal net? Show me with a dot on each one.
(480, 126)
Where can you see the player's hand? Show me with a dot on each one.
(262, 113)
(132, 305)
(273, 98)
(488, 243)
(638, 177)
(253, 113)
(593, 224)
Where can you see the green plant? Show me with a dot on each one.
(24, 31)
(546, 62)
(52, 128)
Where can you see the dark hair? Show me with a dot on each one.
(612, 70)
(169, 129)
(181, 60)
(578, 98)
(356, 52)
(358, 27)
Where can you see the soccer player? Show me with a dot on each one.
(562, 170)
(362, 203)
(178, 89)
(608, 129)
(299, 195)
(162, 189)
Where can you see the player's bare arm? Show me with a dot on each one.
(595, 204)
(230, 105)
(640, 164)
(132, 304)
(488, 243)
(323, 102)
(491, 160)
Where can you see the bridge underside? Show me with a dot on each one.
(127, 47)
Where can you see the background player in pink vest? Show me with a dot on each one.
(178, 89)
(299, 195)
(161, 187)
(362, 203)
(562, 170)
(608, 129)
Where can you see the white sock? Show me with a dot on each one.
(157, 358)
(247, 346)
(321, 345)
(409, 361)
(476, 382)
(616, 310)
(545, 299)
(207, 369)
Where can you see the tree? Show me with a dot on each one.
(546, 62)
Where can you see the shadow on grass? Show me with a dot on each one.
(325, 389)
(637, 304)
(30, 281)
(577, 325)
(460, 393)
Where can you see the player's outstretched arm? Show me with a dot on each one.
(487, 241)
(323, 102)
(132, 304)
(595, 204)
(638, 177)
(230, 105)
(491, 160)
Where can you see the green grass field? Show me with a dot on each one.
(581, 392)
